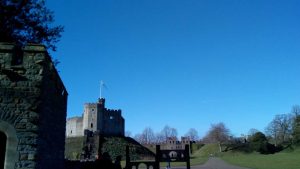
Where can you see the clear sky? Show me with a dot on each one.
(182, 63)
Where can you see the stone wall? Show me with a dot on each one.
(33, 104)
(74, 127)
(90, 117)
(113, 122)
(173, 144)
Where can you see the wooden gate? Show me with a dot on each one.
(161, 156)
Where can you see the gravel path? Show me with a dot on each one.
(213, 163)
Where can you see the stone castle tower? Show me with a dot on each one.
(97, 118)
(33, 102)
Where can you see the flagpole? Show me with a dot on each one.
(101, 89)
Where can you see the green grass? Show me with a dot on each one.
(286, 159)
(282, 160)
(73, 147)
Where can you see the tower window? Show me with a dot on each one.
(91, 125)
(111, 117)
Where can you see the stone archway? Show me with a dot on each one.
(8, 132)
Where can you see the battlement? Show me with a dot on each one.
(76, 118)
(18, 57)
(90, 104)
(30, 63)
(114, 110)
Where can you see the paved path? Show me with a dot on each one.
(213, 163)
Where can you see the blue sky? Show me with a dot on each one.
(182, 63)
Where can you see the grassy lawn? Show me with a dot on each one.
(282, 160)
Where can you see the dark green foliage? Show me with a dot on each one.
(296, 130)
(257, 142)
(115, 146)
(238, 146)
(73, 147)
(258, 137)
(27, 21)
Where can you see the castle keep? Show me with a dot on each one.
(33, 104)
(96, 118)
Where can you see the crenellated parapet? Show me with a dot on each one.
(90, 104)
(114, 111)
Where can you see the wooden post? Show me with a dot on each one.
(127, 158)
(157, 157)
(187, 156)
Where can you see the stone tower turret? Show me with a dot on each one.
(101, 102)
(97, 118)
(90, 117)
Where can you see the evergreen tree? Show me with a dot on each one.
(28, 21)
(296, 130)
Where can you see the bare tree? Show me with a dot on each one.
(168, 131)
(174, 132)
(295, 110)
(128, 133)
(272, 130)
(159, 138)
(296, 130)
(148, 136)
(218, 133)
(138, 138)
(280, 128)
(296, 123)
(192, 134)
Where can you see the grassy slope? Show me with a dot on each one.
(73, 147)
(113, 145)
(282, 160)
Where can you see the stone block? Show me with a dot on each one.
(23, 156)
